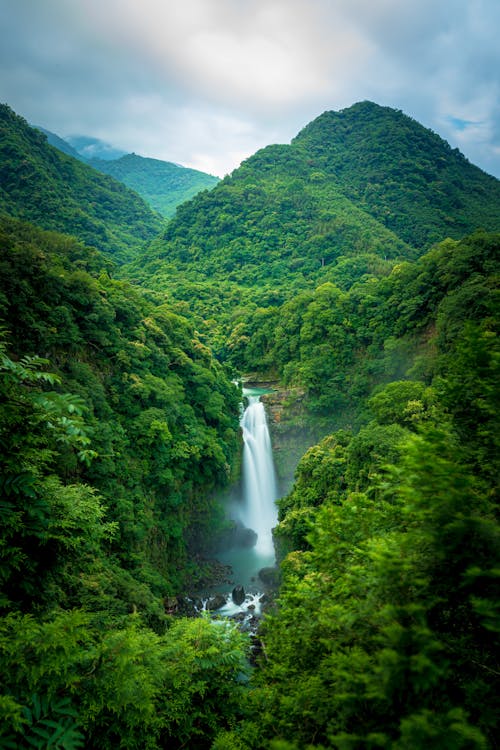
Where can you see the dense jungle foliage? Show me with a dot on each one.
(118, 426)
(386, 629)
(318, 210)
(40, 184)
(162, 184)
(112, 446)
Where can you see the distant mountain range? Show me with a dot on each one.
(93, 148)
(365, 183)
(52, 189)
(162, 184)
(368, 184)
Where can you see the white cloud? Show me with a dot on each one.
(206, 82)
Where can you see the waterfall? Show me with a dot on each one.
(259, 483)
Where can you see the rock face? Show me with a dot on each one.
(216, 602)
(238, 595)
(291, 432)
(235, 535)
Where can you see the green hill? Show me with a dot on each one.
(40, 184)
(162, 184)
(273, 223)
(355, 193)
(401, 173)
(60, 143)
(365, 181)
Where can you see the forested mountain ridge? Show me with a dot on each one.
(250, 253)
(274, 219)
(40, 184)
(368, 181)
(402, 173)
(162, 184)
(60, 143)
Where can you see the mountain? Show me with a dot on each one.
(401, 173)
(354, 193)
(367, 179)
(60, 143)
(162, 184)
(275, 219)
(93, 148)
(40, 184)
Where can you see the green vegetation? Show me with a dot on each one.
(386, 629)
(294, 217)
(401, 173)
(119, 425)
(40, 184)
(161, 184)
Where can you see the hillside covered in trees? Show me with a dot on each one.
(162, 184)
(42, 185)
(289, 220)
(356, 267)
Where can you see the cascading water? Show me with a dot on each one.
(255, 510)
(259, 483)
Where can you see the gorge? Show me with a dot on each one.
(253, 510)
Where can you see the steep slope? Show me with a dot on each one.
(401, 173)
(274, 220)
(60, 143)
(367, 182)
(162, 415)
(40, 184)
(334, 206)
(162, 184)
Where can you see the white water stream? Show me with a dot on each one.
(256, 508)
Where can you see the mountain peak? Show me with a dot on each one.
(395, 168)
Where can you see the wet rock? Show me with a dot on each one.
(236, 535)
(216, 602)
(238, 595)
(189, 606)
(239, 617)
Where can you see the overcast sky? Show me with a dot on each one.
(205, 83)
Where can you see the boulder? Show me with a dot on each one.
(245, 538)
(236, 535)
(216, 602)
(238, 595)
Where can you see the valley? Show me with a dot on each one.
(353, 274)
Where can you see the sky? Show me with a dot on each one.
(206, 83)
